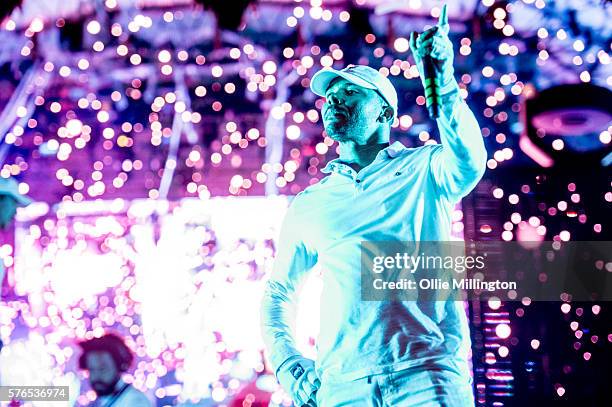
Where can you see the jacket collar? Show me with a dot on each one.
(392, 151)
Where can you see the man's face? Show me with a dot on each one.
(351, 112)
(103, 373)
(8, 207)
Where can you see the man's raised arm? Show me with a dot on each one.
(460, 162)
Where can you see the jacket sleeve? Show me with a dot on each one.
(292, 262)
(459, 163)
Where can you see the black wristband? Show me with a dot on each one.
(297, 371)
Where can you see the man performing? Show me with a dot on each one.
(381, 353)
(106, 359)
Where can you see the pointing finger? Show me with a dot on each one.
(443, 19)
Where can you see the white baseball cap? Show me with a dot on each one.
(361, 75)
(8, 186)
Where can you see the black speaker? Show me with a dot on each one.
(7, 7)
(71, 35)
(228, 13)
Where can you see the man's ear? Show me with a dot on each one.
(386, 115)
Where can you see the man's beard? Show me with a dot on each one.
(104, 389)
(340, 129)
(335, 135)
(349, 129)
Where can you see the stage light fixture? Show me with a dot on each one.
(563, 124)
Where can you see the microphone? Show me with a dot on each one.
(432, 88)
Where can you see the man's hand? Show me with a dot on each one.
(298, 378)
(435, 42)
